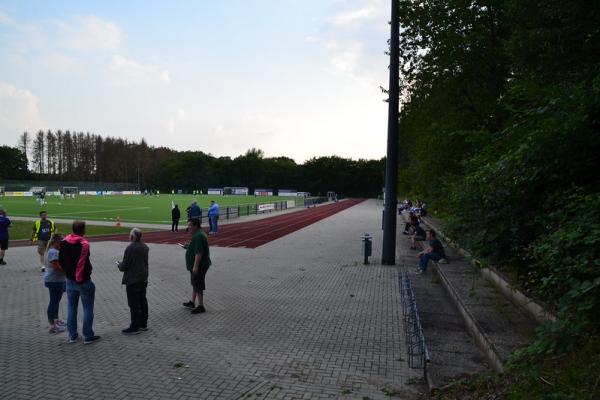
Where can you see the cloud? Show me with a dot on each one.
(5, 19)
(347, 36)
(19, 110)
(345, 56)
(89, 32)
(352, 16)
(175, 120)
(127, 71)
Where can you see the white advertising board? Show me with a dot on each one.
(266, 207)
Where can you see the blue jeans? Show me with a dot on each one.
(56, 290)
(424, 260)
(87, 293)
(213, 222)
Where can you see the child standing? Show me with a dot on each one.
(54, 280)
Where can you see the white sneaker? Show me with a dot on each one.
(43, 269)
(443, 261)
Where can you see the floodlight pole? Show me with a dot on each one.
(388, 256)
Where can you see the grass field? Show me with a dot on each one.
(22, 229)
(145, 209)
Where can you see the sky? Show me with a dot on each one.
(296, 78)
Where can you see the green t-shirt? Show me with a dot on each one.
(198, 245)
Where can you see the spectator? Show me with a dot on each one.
(74, 258)
(54, 280)
(175, 216)
(4, 224)
(435, 252)
(195, 211)
(412, 223)
(213, 218)
(418, 236)
(43, 229)
(197, 260)
(135, 278)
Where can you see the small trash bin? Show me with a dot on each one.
(367, 247)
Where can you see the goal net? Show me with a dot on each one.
(70, 190)
(38, 189)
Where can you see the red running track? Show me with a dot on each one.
(251, 234)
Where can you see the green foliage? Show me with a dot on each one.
(13, 163)
(500, 130)
(196, 170)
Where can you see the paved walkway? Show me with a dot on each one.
(297, 318)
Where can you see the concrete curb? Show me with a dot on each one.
(534, 308)
(482, 340)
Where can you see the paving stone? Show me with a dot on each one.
(301, 313)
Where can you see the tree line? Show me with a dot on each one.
(78, 156)
(500, 132)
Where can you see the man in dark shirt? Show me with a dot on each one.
(74, 258)
(435, 252)
(197, 261)
(175, 216)
(135, 277)
(4, 224)
(43, 229)
(195, 211)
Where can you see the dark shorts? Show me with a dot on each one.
(3, 244)
(198, 280)
(419, 238)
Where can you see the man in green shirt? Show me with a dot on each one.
(197, 261)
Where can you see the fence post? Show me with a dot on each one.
(238, 211)
(256, 205)
(227, 213)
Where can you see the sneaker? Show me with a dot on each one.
(2, 262)
(91, 340)
(130, 331)
(143, 328)
(443, 261)
(413, 248)
(56, 329)
(189, 304)
(405, 233)
(61, 322)
(43, 269)
(420, 272)
(198, 310)
(74, 340)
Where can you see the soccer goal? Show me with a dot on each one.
(70, 191)
(238, 191)
(36, 190)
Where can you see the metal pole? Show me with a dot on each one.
(388, 256)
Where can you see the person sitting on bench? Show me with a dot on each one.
(418, 236)
(412, 223)
(435, 252)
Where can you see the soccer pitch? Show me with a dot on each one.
(132, 208)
